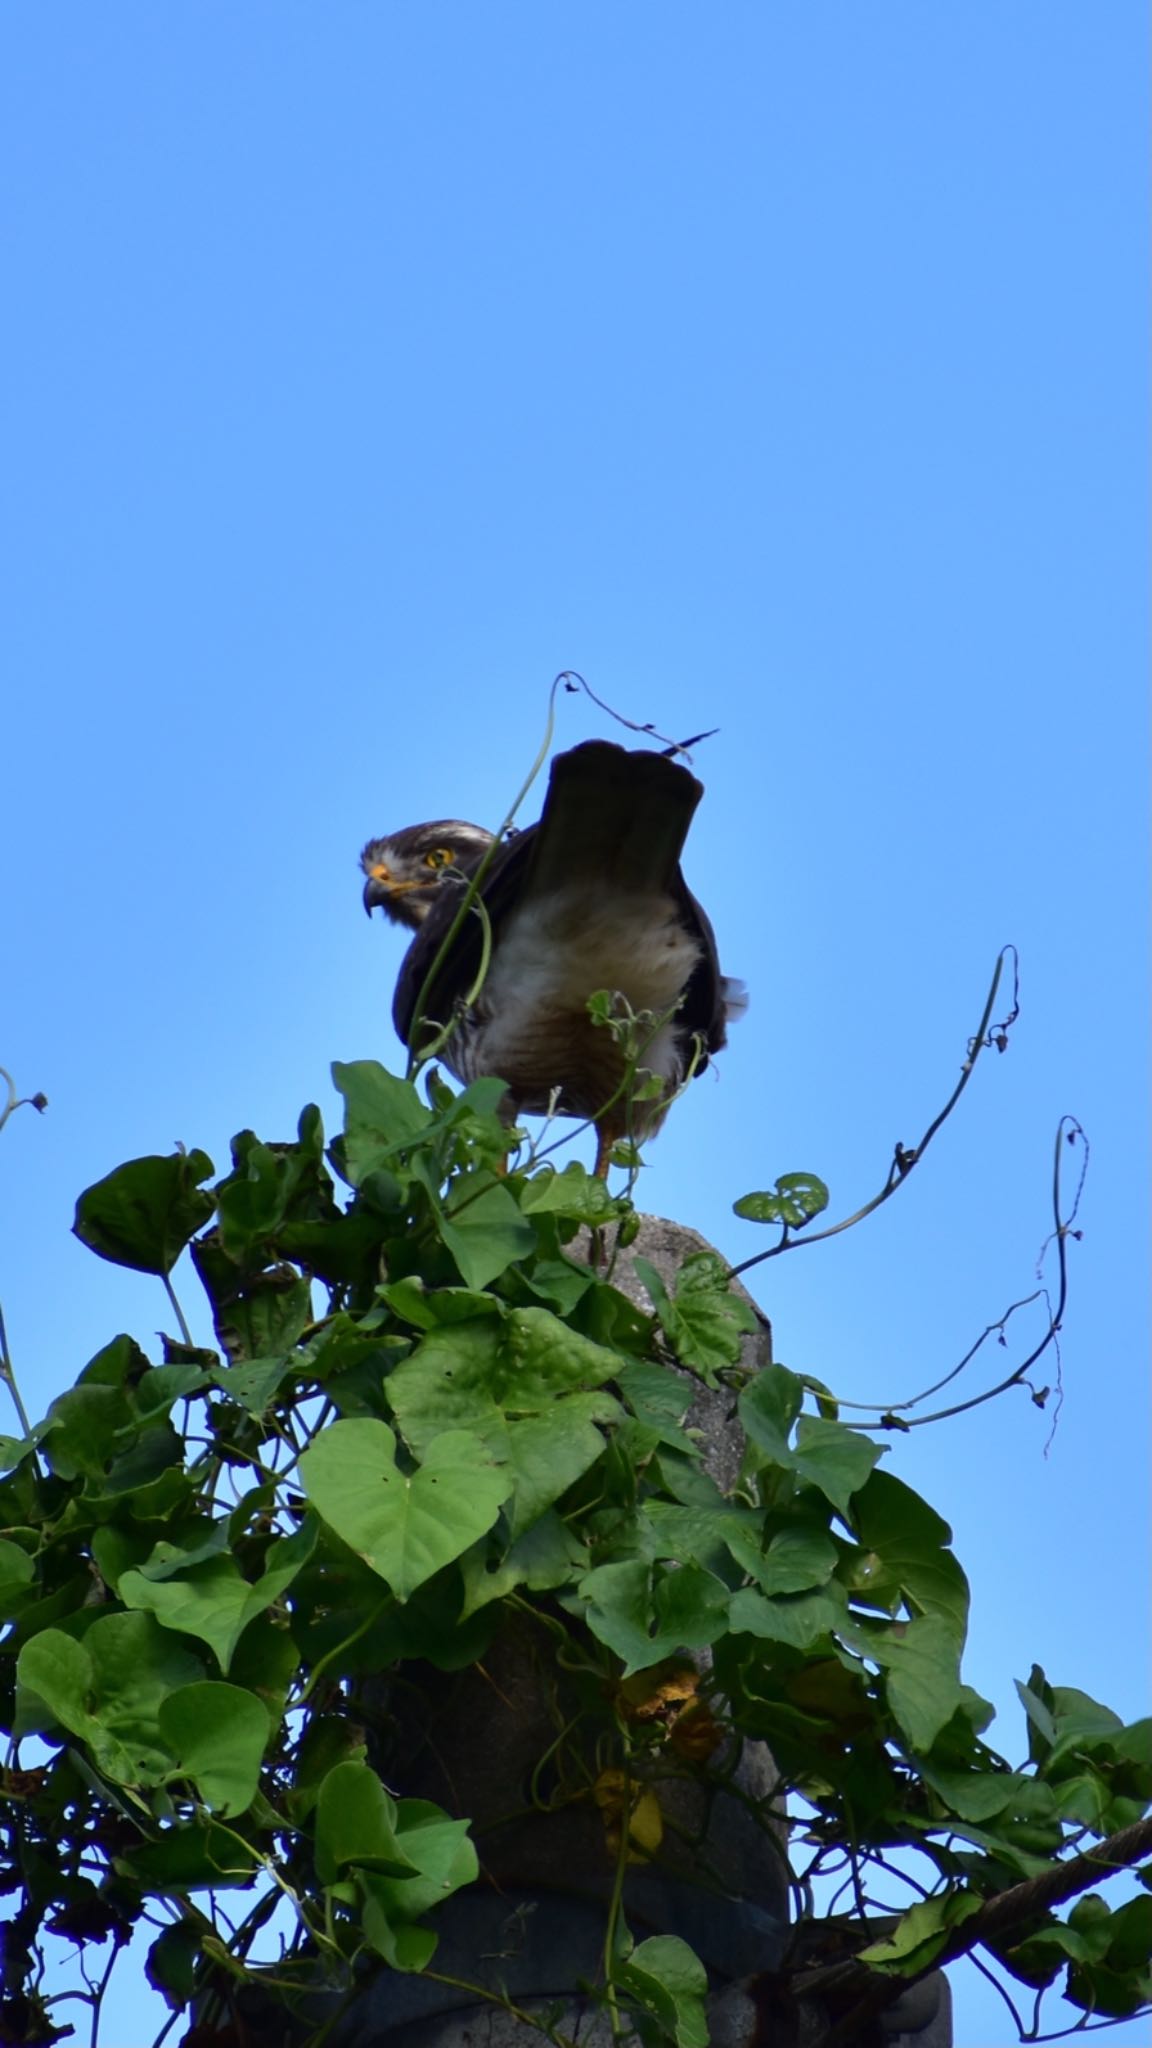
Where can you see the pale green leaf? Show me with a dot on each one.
(406, 1525)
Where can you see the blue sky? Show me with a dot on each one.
(782, 369)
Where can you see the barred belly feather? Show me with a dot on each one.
(531, 1025)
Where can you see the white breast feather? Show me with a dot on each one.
(554, 954)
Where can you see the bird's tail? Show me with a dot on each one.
(612, 817)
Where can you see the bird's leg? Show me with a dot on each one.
(606, 1137)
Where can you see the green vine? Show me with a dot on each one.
(427, 1428)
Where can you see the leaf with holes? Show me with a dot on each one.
(704, 1322)
(796, 1199)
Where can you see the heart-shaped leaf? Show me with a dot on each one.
(406, 1525)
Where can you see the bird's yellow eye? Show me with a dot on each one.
(440, 857)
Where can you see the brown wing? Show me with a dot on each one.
(612, 819)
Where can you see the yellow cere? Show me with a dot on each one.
(379, 873)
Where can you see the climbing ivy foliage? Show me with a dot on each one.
(427, 1409)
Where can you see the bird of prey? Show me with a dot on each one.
(591, 898)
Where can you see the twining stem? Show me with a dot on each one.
(1066, 1129)
(98, 1995)
(516, 2012)
(470, 898)
(177, 1311)
(322, 1663)
(15, 1101)
(616, 1901)
(904, 1160)
(9, 1378)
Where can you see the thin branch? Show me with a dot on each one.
(1083, 2026)
(98, 1992)
(903, 1159)
(1067, 1131)
(991, 1329)
(1039, 1894)
(573, 681)
(994, 1981)
(998, 1917)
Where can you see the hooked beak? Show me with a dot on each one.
(377, 890)
(383, 892)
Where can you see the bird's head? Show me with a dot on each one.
(405, 869)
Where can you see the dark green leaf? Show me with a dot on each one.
(356, 1824)
(254, 1384)
(345, 1249)
(383, 1116)
(483, 1228)
(428, 1307)
(213, 1600)
(1036, 1700)
(328, 1739)
(826, 1454)
(160, 1386)
(922, 1669)
(188, 1544)
(107, 1690)
(800, 1619)
(170, 1966)
(82, 1430)
(251, 1202)
(439, 1849)
(909, 1543)
(120, 1363)
(670, 1982)
(698, 1534)
(257, 1315)
(645, 1620)
(977, 1795)
(17, 1573)
(833, 1458)
(547, 1555)
(1081, 1724)
(144, 1214)
(769, 1405)
(921, 1933)
(218, 1735)
(558, 1282)
(795, 1558)
(155, 1451)
(194, 1857)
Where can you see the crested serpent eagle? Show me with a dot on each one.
(590, 898)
